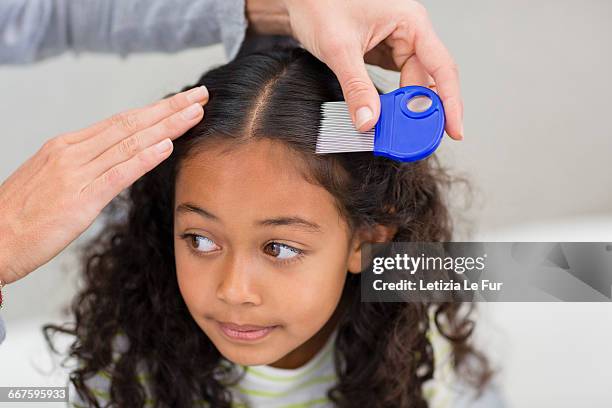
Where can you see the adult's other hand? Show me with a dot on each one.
(57, 193)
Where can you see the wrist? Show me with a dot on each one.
(7, 275)
(4, 272)
(1, 296)
(268, 17)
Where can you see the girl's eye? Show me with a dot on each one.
(282, 251)
(200, 243)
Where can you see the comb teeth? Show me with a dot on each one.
(337, 133)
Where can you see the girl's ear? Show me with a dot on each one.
(378, 233)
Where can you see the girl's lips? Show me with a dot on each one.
(245, 332)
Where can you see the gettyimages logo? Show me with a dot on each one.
(422, 262)
(481, 271)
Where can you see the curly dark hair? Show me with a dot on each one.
(130, 283)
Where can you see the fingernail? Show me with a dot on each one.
(191, 112)
(163, 146)
(197, 94)
(362, 116)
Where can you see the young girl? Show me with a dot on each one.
(234, 278)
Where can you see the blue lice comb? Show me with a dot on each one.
(410, 127)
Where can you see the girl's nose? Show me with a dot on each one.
(237, 285)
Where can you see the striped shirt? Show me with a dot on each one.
(307, 386)
(302, 387)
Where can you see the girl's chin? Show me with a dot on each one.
(249, 357)
(246, 353)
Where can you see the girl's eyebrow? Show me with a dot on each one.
(278, 221)
(291, 221)
(185, 208)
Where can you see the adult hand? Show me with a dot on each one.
(394, 34)
(57, 193)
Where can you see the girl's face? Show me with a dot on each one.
(256, 244)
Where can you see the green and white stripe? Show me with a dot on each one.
(307, 386)
(302, 387)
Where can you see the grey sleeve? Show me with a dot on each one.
(31, 30)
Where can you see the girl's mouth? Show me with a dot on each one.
(244, 332)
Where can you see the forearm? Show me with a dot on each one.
(268, 17)
(31, 30)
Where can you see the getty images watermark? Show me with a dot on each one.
(487, 271)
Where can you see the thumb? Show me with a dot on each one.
(359, 92)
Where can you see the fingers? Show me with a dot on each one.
(437, 61)
(83, 134)
(123, 125)
(104, 188)
(171, 127)
(413, 73)
(359, 92)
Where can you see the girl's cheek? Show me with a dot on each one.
(314, 291)
(191, 280)
(327, 273)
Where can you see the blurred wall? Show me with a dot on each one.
(536, 85)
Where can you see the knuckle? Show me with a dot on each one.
(129, 146)
(55, 153)
(145, 164)
(113, 177)
(446, 71)
(87, 193)
(70, 137)
(176, 102)
(126, 121)
(173, 124)
(53, 144)
(356, 87)
(419, 11)
(147, 160)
